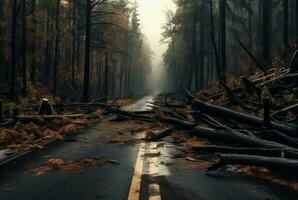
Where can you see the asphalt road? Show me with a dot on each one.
(161, 177)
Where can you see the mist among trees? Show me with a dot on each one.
(211, 40)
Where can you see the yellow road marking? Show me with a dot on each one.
(154, 189)
(134, 192)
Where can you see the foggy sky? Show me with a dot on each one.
(152, 17)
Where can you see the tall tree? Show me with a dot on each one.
(202, 42)
(222, 38)
(34, 26)
(87, 51)
(266, 7)
(47, 60)
(13, 50)
(194, 59)
(296, 20)
(212, 35)
(1, 39)
(56, 61)
(24, 47)
(250, 16)
(74, 31)
(286, 26)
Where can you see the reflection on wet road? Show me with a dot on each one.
(140, 105)
(150, 170)
(159, 174)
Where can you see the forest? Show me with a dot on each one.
(148, 99)
(72, 48)
(219, 38)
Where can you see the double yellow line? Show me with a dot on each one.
(135, 187)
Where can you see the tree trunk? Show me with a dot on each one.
(2, 58)
(13, 50)
(106, 77)
(34, 24)
(24, 48)
(250, 31)
(251, 151)
(194, 60)
(73, 60)
(87, 52)
(214, 47)
(241, 117)
(178, 123)
(222, 37)
(202, 46)
(161, 134)
(273, 163)
(296, 46)
(266, 7)
(56, 61)
(286, 27)
(234, 137)
(47, 56)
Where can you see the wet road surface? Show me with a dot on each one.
(145, 171)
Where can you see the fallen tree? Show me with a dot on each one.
(234, 137)
(241, 117)
(290, 165)
(225, 135)
(161, 134)
(142, 117)
(273, 152)
(178, 123)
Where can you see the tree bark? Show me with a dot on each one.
(178, 123)
(212, 35)
(222, 30)
(296, 46)
(235, 137)
(286, 27)
(161, 134)
(24, 48)
(194, 60)
(250, 31)
(241, 117)
(2, 58)
(87, 52)
(73, 60)
(56, 61)
(260, 161)
(13, 50)
(34, 24)
(250, 151)
(202, 46)
(106, 77)
(47, 64)
(267, 4)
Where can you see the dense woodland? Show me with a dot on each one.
(75, 48)
(228, 95)
(89, 49)
(214, 39)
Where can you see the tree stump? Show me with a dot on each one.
(45, 108)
